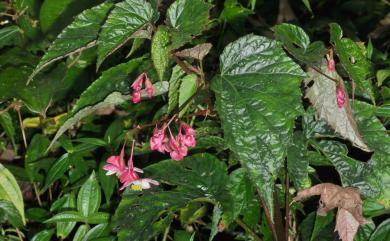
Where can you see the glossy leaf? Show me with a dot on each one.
(298, 162)
(98, 217)
(50, 11)
(10, 191)
(66, 216)
(10, 35)
(8, 126)
(44, 235)
(35, 151)
(298, 43)
(174, 85)
(160, 50)
(187, 89)
(352, 59)
(322, 95)
(187, 18)
(57, 170)
(365, 231)
(8, 213)
(80, 233)
(320, 223)
(81, 34)
(124, 20)
(96, 232)
(217, 214)
(257, 80)
(382, 232)
(63, 229)
(89, 196)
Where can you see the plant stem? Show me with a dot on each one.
(248, 230)
(287, 206)
(165, 237)
(21, 127)
(20, 234)
(37, 194)
(268, 216)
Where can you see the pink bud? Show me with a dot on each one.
(136, 97)
(137, 84)
(340, 96)
(149, 87)
(187, 140)
(188, 130)
(178, 150)
(157, 140)
(331, 65)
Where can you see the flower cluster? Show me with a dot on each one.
(137, 86)
(127, 174)
(176, 146)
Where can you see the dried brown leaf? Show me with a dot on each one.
(322, 94)
(346, 225)
(197, 52)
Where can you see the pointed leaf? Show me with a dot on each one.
(67, 216)
(89, 196)
(382, 232)
(57, 170)
(10, 35)
(352, 59)
(81, 34)
(8, 213)
(35, 151)
(174, 84)
(298, 162)
(217, 213)
(44, 235)
(187, 18)
(257, 81)
(124, 20)
(187, 89)
(10, 191)
(80, 233)
(322, 95)
(160, 50)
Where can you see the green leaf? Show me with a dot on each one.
(382, 232)
(106, 91)
(99, 217)
(217, 213)
(63, 229)
(108, 183)
(8, 126)
(44, 235)
(257, 81)
(241, 191)
(89, 196)
(365, 231)
(298, 162)
(174, 84)
(160, 50)
(320, 223)
(8, 213)
(50, 11)
(187, 90)
(57, 169)
(10, 35)
(298, 43)
(187, 18)
(67, 216)
(181, 235)
(148, 207)
(35, 151)
(322, 95)
(81, 34)
(382, 75)
(122, 23)
(97, 232)
(10, 191)
(352, 59)
(308, 6)
(80, 233)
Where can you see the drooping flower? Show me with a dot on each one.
(157, 140)
(178, 149)
(340, 95)
(116, 164)
(143, 183)
(188, 138)
(149, 87)
(137, 84)
(136, 97)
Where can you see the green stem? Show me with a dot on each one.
(248, 230)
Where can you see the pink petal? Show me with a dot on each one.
(136, 97)
(137, 84)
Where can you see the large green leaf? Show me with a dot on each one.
(298, 162)
(89, 196)
(50, 11)
(7, 124)
(201, 176)
(122, 23)
(10, 191)
(78, 36)
(174, 85)
(187, 18)
(160, 50)
(35, 151)
(57, 169)
(298, 43)
(352, 59)
(258, 98)
(63, 229)
(188, 87)
(382, 232)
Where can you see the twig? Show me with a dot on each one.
(268, 216)
(181, 64)
(165, 237)
(37, 194)
(248, 230)
(21, 127)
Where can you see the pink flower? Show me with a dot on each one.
(331, 65)
(340, 95)
(137, 84)
(178, 150)
(188, 139)
(149, 87)
(136, 97)
(144, 183)
(157, 140)
(116, 164)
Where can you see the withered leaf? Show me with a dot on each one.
(346, 199)
(197, 52)
(346, 225)
(322, 95)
